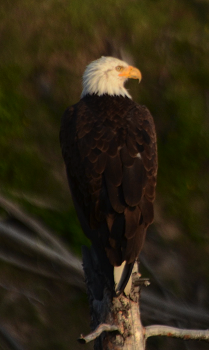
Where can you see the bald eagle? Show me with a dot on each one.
(109, 147)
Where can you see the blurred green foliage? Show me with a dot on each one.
(44, 48)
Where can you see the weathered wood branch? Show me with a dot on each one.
(116, 321)
(121, 312)
(97, 332)
(186, 334)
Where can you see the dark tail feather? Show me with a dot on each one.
(124, 278)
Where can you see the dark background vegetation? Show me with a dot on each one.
(44, 48)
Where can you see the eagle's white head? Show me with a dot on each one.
(107, 75)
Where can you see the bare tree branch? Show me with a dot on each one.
(52, 273)
(123, 312)
(9, 340)
(33, 224)
(166, 310)
(38, 248)
(97, 332)
(24, 253)
(186, 334)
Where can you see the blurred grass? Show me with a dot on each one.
(44, 48)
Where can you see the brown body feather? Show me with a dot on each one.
(109, 147)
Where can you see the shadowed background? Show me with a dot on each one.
(44, 49)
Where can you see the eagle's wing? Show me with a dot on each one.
(112, 167)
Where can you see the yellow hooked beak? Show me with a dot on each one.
(131, 73)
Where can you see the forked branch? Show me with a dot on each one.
(122, 315)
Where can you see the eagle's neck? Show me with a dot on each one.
(101, 84)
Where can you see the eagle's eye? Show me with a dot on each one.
(119, 68)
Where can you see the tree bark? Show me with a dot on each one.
(122, 313)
